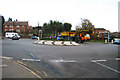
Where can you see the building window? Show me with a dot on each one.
(5, 29)
(17, 30)
(11, 26)
(18, 26)
(5, 26)
(10, 29)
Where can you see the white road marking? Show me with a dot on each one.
(31, 60)
(1, 57)
(1, 66)
(108, 67)
(61, 60)
(98, 60)
(117, 59)
(44, 73)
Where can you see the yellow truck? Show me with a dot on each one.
(77, 36)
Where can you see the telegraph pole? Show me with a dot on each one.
(108, 36)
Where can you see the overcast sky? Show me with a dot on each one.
(102, 13)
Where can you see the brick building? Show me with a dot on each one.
(16, 26)
(101, 32)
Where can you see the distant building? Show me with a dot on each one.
(16, 26)
(115, 34)
(101, 32)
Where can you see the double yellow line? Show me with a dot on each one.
(24, 66)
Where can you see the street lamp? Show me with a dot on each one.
(40, 32)
(81, 22)
(107, 31)
(12, 26)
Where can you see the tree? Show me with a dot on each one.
(60, 27)
(53, 27)
(9, 19)
(46, 28)
(86, 25)
(67, 26)
(3, 21)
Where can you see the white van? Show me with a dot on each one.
(11, 34)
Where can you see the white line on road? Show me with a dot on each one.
(44, 73)
(1, 66)
(61, 60)
(98, 60)
(117, 59)
(108, 67)
(31, 60)
(1, 57)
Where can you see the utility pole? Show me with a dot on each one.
(40, 30)
(12, 25)
(108, 36)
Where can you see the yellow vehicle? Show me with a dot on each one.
(77, 36)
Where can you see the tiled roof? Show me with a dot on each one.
(16, 23)
(100, 29)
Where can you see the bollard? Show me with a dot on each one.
(38, 38)
(112, 41)
(105, 41)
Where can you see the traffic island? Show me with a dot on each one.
(57, 43)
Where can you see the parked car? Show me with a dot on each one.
(15, 38)
(117, 41)
(34, 37)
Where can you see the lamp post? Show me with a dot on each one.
(108, 35)
(12, 26)
(81, 22)
(40, 32)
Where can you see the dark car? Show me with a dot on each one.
(15, 38)
(34, 37)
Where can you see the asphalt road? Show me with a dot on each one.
(89, 60)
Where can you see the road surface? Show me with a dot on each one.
(89, 60)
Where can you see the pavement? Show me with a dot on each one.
(57, 43)
(13, 69)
